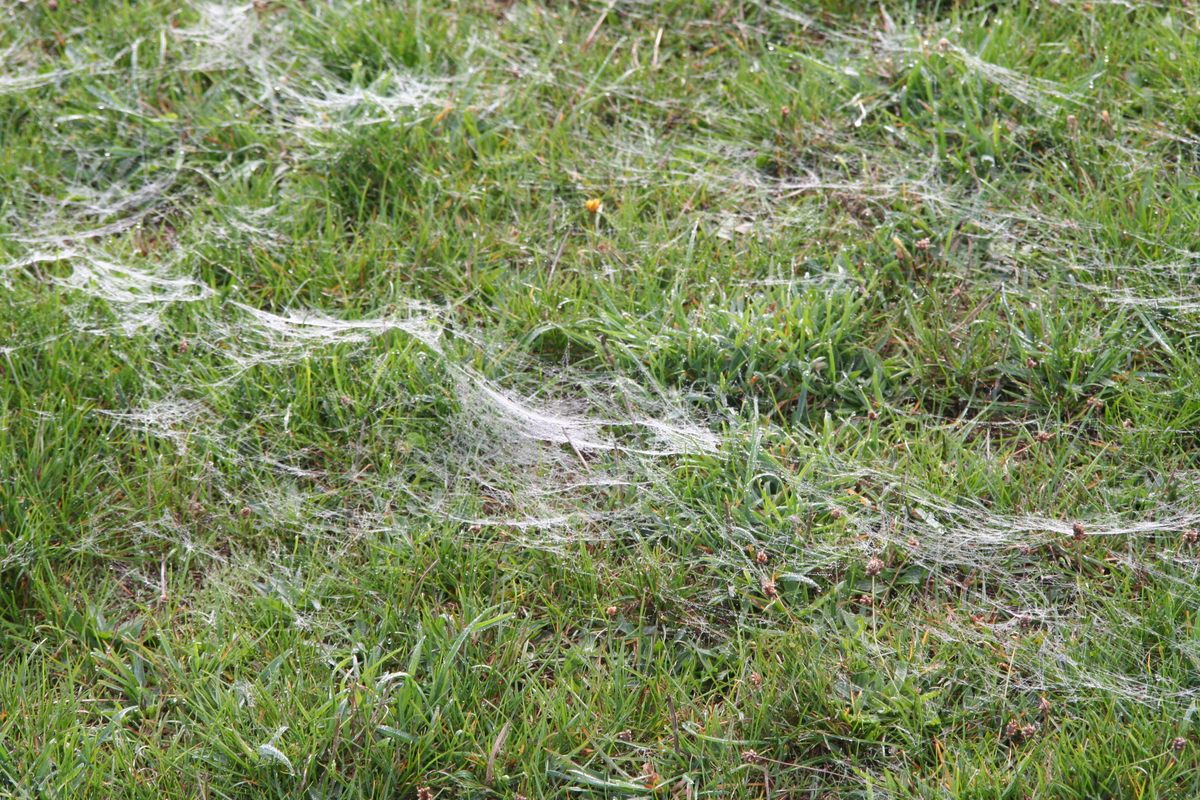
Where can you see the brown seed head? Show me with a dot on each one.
(1078, 531)
(874, 566)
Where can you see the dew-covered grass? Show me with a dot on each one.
(680, 399)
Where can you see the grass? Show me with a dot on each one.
(847, 449)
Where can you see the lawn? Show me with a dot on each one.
(684, 399)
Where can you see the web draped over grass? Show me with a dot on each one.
(863, 409)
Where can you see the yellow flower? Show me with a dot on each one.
(593, 205)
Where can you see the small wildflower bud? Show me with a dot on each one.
(1179, 744)
(784, 111)
(914, 541)
(872, 415)
(1044, 705)
(1031, 362)
(1191, 536)
(1105, 118)
(611, 611)
(183, 346)
(424, 793)
(1043, 436)
(1127, 424)
(1029, 731)
(1078, 531)
(924, 244)
(761, 557)
(756, 679)
(245, 512)
(1012, 729)
(625, 736)
(874, 567)
(770, 589)
(752, 757)
(1072, 124)
(836, 513)
(865, 600)
(346, 401)
(593, 205)
(943, 44)
(1095, 402)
